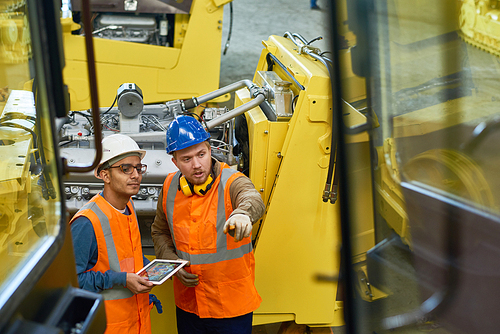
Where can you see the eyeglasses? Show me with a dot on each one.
(129, 169)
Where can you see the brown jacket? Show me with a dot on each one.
(244, 199)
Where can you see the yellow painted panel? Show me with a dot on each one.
(262, 319)
(277, 133)
(300, 234)
(258, 135)
(360, 187)
(165, 323)
(162, 73)
(109, 51)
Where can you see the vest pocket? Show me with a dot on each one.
(181, 236)
(238, 297)
(207, 236)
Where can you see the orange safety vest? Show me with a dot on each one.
(119, 249)
(225, 268)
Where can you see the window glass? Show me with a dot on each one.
(438, 96)
(29, 190)
(426, 74)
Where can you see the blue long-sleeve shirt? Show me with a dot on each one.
(85, 248)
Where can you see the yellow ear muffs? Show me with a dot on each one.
(200, 189)
(185, 186)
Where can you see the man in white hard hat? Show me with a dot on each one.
(107, 241)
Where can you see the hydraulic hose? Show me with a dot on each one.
(294, 38)
(230, 28)
(330, 191)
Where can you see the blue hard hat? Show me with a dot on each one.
(185, 131)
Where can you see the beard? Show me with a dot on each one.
(198, 177)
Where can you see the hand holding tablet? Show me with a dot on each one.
(158, 270)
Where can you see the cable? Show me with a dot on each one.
(116, 97)
(319, 38)
(294, 101)
(66, 143)
(230, 28)
(88, 117)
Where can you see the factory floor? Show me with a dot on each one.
(255, 20)
(297, 329)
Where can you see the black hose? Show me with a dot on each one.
(190, 104)
(330, 192)
(88, 117)
(45, 180)
(66, 143)
(319, 38)
(294, 101)
(230, 28)
(116, 97)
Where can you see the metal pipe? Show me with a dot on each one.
(227, 89)
(294, 38)
(111, 27)
(236, 112)
(317, 57)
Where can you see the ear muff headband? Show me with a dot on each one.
(200, 189)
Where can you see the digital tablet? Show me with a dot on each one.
(158, 271)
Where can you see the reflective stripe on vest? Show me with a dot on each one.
(114, 263)
(222, 252)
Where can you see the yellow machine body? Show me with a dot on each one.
(479, 24)
(299, 236)
(163, 73)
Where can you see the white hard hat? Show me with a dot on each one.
(116, 147)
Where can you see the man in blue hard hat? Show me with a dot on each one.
(205, 214)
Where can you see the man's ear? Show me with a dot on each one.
(105, 176)
(175, 162)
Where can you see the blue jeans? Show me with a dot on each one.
(313, 3)
(189, 323)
